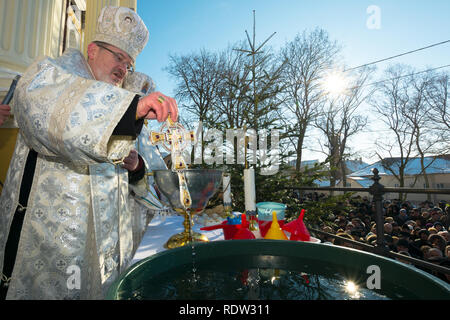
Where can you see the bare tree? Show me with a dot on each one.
(340, 119)
(417, 113)
(198, 83)
(306, 58)
(392, 103)
(248, 80)
(439, 116)
(229, 90)
(234, 88)
(197, 89)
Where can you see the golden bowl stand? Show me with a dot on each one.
(188, 235)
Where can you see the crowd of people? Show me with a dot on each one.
(421, 231)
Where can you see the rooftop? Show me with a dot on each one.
(433, 165)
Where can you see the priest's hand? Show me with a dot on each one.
(157, 106)
(132, 161)
(4, 113)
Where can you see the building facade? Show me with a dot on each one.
(437, 171)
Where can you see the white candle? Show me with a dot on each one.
(249, 190)
(226, 190)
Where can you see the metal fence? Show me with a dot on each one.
(377, 191)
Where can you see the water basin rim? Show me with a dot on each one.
(218, 250)
(268, 243)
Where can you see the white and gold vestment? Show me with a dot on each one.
(77, 214)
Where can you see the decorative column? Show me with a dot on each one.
(28, 29)
(377, 191)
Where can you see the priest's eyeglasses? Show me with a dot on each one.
(119, 58)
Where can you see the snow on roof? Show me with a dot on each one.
(364, 182)
(432, 166)
(355, 165)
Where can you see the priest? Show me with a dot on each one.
(65, 222)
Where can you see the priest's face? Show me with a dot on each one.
(108, 63)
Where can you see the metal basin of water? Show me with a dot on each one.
(326, 269)
(202, 185)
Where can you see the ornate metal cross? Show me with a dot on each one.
(173, 137)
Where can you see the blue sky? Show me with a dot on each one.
(185, 26)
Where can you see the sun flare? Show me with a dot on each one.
(335, 83)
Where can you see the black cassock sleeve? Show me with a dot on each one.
(129, 126)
